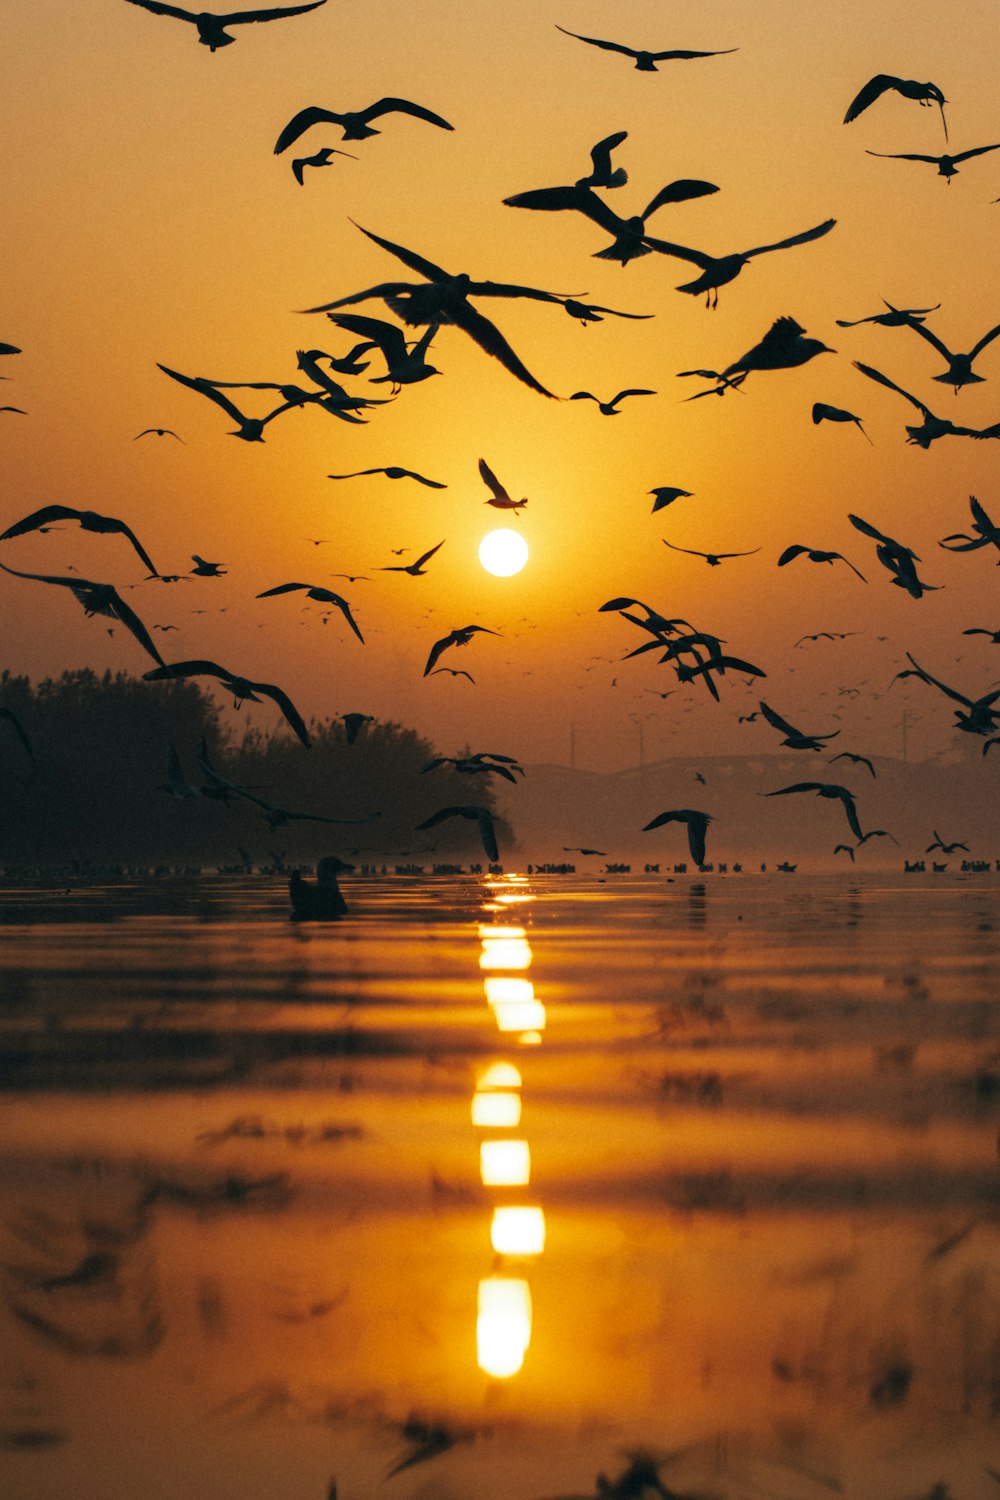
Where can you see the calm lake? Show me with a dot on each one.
(501, 1187)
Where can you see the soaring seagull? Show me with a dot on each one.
(212, 29)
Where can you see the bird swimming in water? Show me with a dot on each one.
(925, 94)
(212, 29)
(499, 496)
(821, 412)
(946, 165)
(697, 827)
(90, 520)
(356, 124)
(460, 637)
(609, 408)
(322, 596)
(321, 900)
(645, 61)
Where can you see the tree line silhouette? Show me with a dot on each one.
(90, 787)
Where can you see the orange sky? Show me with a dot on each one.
(147, 220)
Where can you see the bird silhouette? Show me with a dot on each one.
(830, 791)
(601, 173)
(347, 364)
(697, 827)
(959, 371)
(322, 596)
(499, 497)
(987, 532)
(857, 760)
(482, 763)
(823, 413)
(212, 29)
(250, 429)
(393, 473)
(895, 558)
(98, 599)
(975, 716)
(157, 432)
(90, 520)
(666, 494)
(932, 427)
(356, 124)
(8, 716)
(452, 672)
(795, 739)
(353, 724)
(609, 408)
(444, 298)
(593, 312)
(719, 270)
(893, 317)
(783, 347)
(925, 94)
(322, 158)
(945, 848)
(321, 900)
(814, 555)
(629, 234)
(644, 60)
(203, 569)
(415, 569)
(946, 165)
(405, 364)
(459, 637)
(243, 689)
(712, 558)
(480, 815)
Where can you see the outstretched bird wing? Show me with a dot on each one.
(159, 9)
(313, 114)
(776, 721)
(275, 14)
(892, 386)
(392, 105)
(873, 89)
(597, 42)
(489, 478)
(418, 263)
(817, 232)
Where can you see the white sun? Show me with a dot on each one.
(503, 552)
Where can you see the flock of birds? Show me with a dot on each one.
(439, 297)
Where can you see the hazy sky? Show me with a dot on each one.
(146, 220)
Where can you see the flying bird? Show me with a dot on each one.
(925, 94)
(609, 408)
(857, 760)
(666, 494)
(832, 792)
(823, 413)
(460, 637)
(987, 532)
(405, 365)
(444, 298)
(896, 558)
(976, 716)
(712, 558)
(353, 724)
(415, 569)
(719, 270)
(945, 848)
(644, 61)
(593, 312)
(783, 347)
(946, 165)
(482, 763)
(959, 371)
(203, 569)
(243, 689)
(356, 124)
(322, 596)
(452, 672)
(893, 317)
(98, 599)
(212, 29)
(250, 429)
(697, 827)
(795, 739)
(480, 815)
(393, 473)
(814, 555)
(932, 427)
(157, 432)
(322, 158)
(630, 240)
(601, 173)
(90, 520)
(499, 496)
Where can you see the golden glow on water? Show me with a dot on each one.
(505, 953)
(504, 1163)
(500, 988)
(503, 1325)
(496, 1110)
(519, 1015)
(518, 1230)
(500, 1075)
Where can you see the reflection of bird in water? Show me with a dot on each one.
(405, 365)
(460, 637)
(157, 432)
(959, 371)
(242, 688)
(932, 427)
(894, 317)
(322, 158)
(483, 762)
(444, 298)
(322, 596)
(925, 94)
(945, 164)
(393, 472)
(500, 498)
(415, 569)
(719, 270)
(783, 347)
(821, 412)
(629, 234)
(609, 408)
(712, 558)
(601, 173)
(644, 60)
(212, 29)
(89, 520)
(697, 827)
(986, 532)
(816, 556)
(945, 848)
(356, 124)
(480, 815)
(321, 900)
(98, 599)
(795, 739)
(830, 791)
(896, 558)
